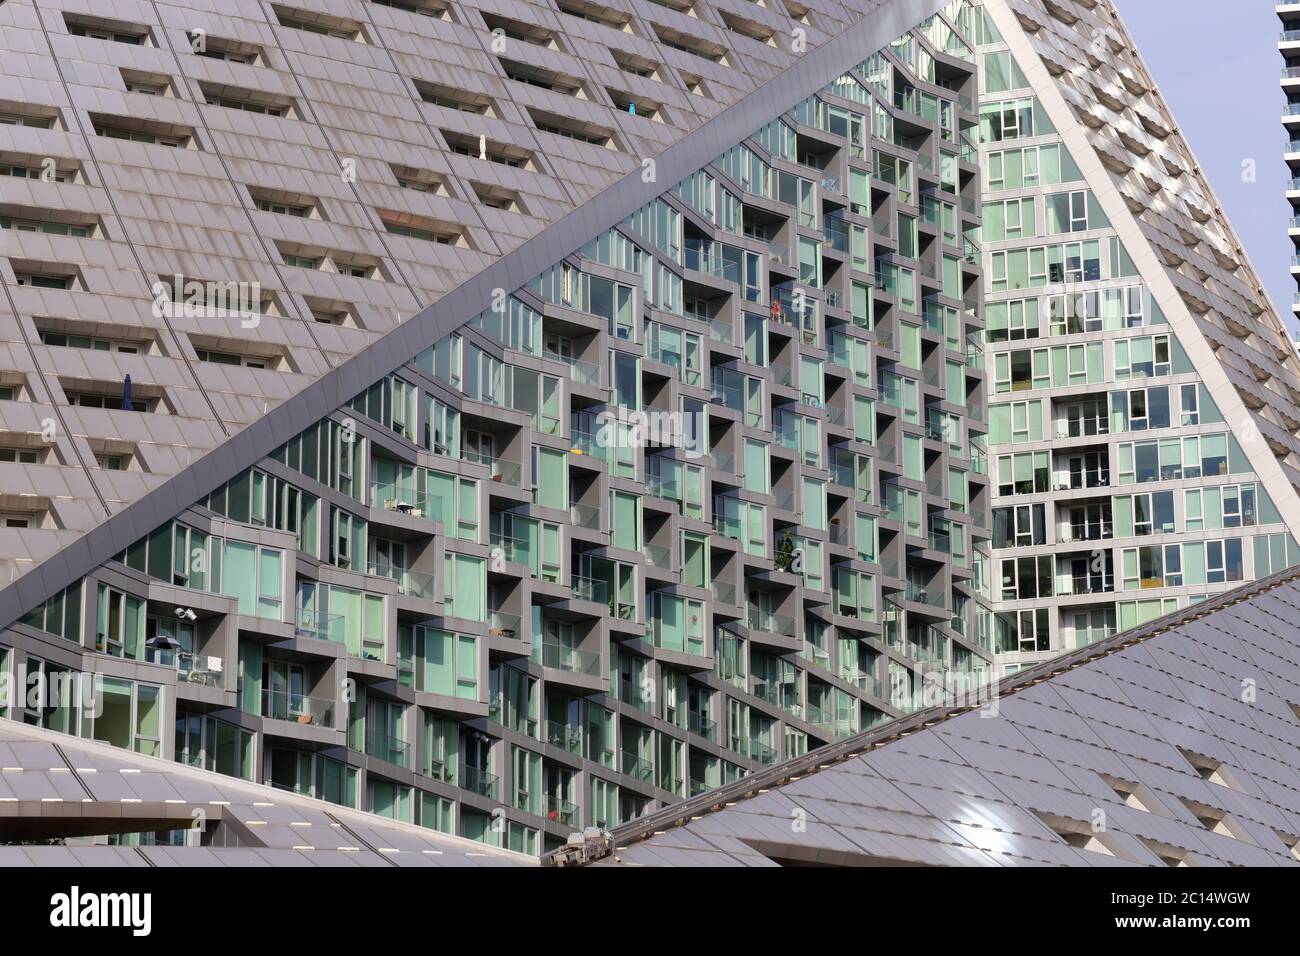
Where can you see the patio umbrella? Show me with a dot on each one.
(163, 642)
(126, 394)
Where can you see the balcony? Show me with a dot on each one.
(763, 753)
(864, 681)
(706, 256)
(828, 726)
(1093, 531)
(1092, 584)
(659, 556)
(561, 811)
(297, 708)
(760, 620)
(320, 627)
(409, 583)
(438, 769)
(1087, 479)
(479, 781)
(198, 669)
(637, 768)
(405, 501)
(723, 332)
(563, 736)
(1083, 426)
(503, 625)
(567, 659)
(392, 749)
(581, 373)
(818, 655)
(585, 516)
(701, 726)
(586, 443)
(673, 359)
(589, 589)
(505, 470)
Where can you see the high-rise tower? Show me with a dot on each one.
(681, 473)
(1142, 391)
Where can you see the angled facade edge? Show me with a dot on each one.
(335, 388)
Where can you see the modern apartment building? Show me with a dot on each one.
(681, 474)
(1289, 45)
(509, 418)
(1138, 750)
(1142, 392)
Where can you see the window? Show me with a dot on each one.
(1021, 526)
(96, 28)
(318, 23)
(49, 227)
(37, 117)
(1026, 578)
(20, 171)
(465, 583)
(119, 624)
(141, 131)
(249, 101)
(219, 48)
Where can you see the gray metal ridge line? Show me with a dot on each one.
(883, 21)
(680, 814)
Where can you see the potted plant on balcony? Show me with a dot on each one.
(785, 552)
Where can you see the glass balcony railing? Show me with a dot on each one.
(320, 627)
(701, 726)
(405, 501)
(864, 681)
(393, 749)
(705, 255)
(1095, 531)
(297, 708)
(724, 332)
(501, 624)
(563, 736)
(664, 487)
(824, 719)
(589, 589)
(1092, 584)
(198, 669)
(583, 373)
(587, 443)
(637, 768)
(546, 424)
(723, 592)
(409, 583)
(818, 655)
(561, 811)
(585, 516)
(760, 620)
(513, 549)
(659, 556)
(505, 470)
(763, 753)
(440, 770)
(569, 659)
(477, 780)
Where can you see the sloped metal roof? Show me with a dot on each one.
(67, 783)
(1176, 743)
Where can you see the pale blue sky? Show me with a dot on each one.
(1217, 64)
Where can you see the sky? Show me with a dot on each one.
(1217, 64)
